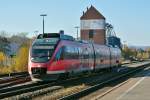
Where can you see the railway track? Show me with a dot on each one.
(14, 79)
(77, 86)
(33, 90)
(22, 88)
(113, 81)
(13, 74)
(6, 80)
(15, 82)
(34, 86)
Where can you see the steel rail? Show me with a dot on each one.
(17, 90)
(93, 88)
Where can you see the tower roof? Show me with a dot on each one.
(92, 13)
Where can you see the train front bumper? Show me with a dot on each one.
(46, 77)
(41, 74)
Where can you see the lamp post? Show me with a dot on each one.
(77, 27)
(124, 44)
(36, 32)
(43, 15)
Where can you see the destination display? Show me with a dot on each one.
(43, 47)
(47, 41)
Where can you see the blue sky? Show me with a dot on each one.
(130, 18)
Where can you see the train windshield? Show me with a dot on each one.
(42, 50)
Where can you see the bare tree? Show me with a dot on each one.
(3, 33)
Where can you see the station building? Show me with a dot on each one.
(92, 24)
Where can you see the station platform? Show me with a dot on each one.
(136, 88)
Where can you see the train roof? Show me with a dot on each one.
(55, 35)
(58, 36)
(48, 36)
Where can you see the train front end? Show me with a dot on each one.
(40, 56)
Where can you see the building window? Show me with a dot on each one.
(91, 34)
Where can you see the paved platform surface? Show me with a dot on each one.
(137, 88)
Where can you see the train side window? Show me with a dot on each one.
(60, 54)
(66, 52)
(76, 53)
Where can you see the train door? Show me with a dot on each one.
(91, 57)
(85, 54)
(112, 57)
(98, 58)
(101, 57)
(81, 57)
(106, 57)
(93, 53)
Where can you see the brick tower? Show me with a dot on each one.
(93, 26)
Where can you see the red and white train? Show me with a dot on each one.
(55, 55)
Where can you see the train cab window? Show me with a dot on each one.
(41, 53)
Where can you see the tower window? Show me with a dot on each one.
(91, 34)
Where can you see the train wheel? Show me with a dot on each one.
(63, 76)
(110, 69)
